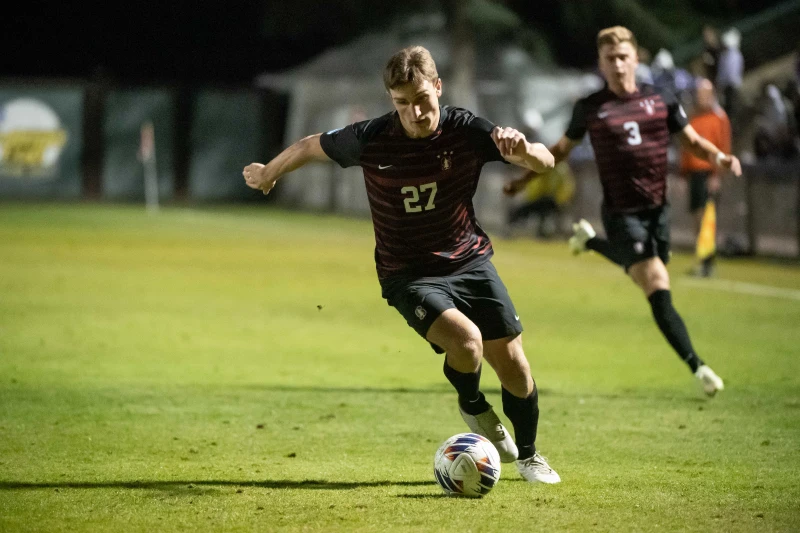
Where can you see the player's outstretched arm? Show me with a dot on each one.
(559, 151)
(517, 150)
(562, 148)
(515, 186)
(705, 149)
(264, 177)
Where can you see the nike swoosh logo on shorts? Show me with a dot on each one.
(381, 167)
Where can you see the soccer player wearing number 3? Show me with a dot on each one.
(629, 126)
(421, 166)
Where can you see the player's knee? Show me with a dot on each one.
(650, 276)
(652, 284)
(472, 343)
(515, 374)
(467, 345)
(658, 281)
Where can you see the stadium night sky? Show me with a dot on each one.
(208, 41)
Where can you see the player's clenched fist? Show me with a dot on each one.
(509, 141)
(515, 148)
(255, 177)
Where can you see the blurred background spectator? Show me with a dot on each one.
(546, 199)
(674, 79)
(710, 121)
(643, 72)
(711, 51)
(776, 127)
(797, 62)
(792, 94)
(730, 70)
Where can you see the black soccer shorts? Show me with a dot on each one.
(639, 236)
(478, 293)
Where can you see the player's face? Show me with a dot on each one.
(417, 105)
(618, 64)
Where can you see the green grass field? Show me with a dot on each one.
(236, 369)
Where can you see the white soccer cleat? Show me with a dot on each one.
(488, 425)
(710, 381)
(536, 470)
(582, 232)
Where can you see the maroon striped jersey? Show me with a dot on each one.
(420, 190)
(630, 137)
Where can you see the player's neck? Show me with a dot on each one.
(624, 89)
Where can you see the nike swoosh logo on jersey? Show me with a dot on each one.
(604, 114)
(516, 317)
(381, 167)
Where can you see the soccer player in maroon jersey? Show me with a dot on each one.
(629, 126)
(421, 166)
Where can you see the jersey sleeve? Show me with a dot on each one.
(577, 125)
(344, 145)
(676, 116)
(480, 131)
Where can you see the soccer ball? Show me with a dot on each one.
(467, 464)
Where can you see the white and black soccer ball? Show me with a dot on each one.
(467, 464)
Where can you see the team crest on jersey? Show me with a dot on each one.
(447, 160)
(420, 312)
(649, 105)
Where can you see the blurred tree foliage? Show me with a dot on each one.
(572, 25)
(562, 31)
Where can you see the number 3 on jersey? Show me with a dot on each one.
(634, 137)
(413, 202)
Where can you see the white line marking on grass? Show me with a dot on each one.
(740, 287)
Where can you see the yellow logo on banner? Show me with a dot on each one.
(31, 138)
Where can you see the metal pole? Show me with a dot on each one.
(147, 154)
(750, 220)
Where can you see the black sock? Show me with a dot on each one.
(606, 249)
(467, 384)
(524, 416)
(673, 328)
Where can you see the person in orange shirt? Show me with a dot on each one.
(711, 122)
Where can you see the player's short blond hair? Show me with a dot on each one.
(410, 65)
(615, 35)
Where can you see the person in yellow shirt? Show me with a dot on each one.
(711, 122)
(545, 198)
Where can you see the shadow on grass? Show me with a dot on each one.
(313, 484)
(626, 395)
(445, 389)
(429, 497)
